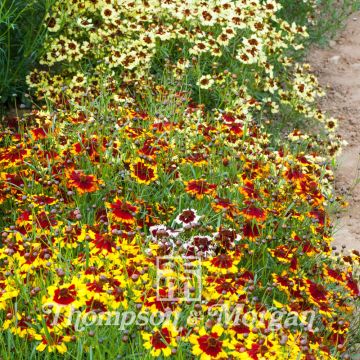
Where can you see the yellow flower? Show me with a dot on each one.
(208, 344)
(52, 342)
(161, 341)
(143, 172)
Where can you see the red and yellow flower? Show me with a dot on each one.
(143, 172)
(161, 341)
(210, 344)
(123, 211)
(199, 188)
(83, 183)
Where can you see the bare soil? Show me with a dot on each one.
(338, 69)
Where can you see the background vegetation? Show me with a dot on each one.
(22, 33)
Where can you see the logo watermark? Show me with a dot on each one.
(273, 319)
(178, 278)
(178, 281)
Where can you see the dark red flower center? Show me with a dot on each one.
(222, 261)
(160, 339)
(187, 216)
(144, 172)
(65, 296)
(210, 344)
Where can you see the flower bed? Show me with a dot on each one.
(147, 210)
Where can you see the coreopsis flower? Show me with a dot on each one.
(334, 275)
(252, 212)
(53, 23)
(83, 183)
(164, 237)
(38, 133)
(223, 263)
(103, 243)
(122, 211)
(43, 200)
(224, 286)
(317, 294)
(45, 221)
(161, 341)
(72, 237)
(209, 344)
(197, 159)
(205, 82)
(331, 124)
(226, 206)
(250, 230)
(226, 238)
(249, 190)
(199, 188)
(188, 218)
(352, 284)
(297, 135)
(13, 155)
(65, 294)
(201, 245)
(283, 253)
(52, 342)
(19, 324)
(291, 286)
(143, 172)
(269, 346)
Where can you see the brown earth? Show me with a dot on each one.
(338, 69)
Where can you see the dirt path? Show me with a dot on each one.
(338, 67)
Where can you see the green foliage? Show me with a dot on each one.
(96, 141)
(324, 18)
(22, 34)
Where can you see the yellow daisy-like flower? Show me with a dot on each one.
(52, 342)
(161, 341)
(143, 172)
(209, 345)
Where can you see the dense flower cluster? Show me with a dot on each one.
(88, 217)
(208, 47)
(151, 158)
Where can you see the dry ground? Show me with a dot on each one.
(338, 67)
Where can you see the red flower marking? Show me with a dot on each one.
(65, 296)
(250, 231)
(144, 172)
(160, 339)
(187, 216)
(82, 182)
(210, 344)
(352, 285)
(13, 155)
(252, 212)
(241, 329)
(223, 261)
(104, 242)
(123, 211)
(249, 191)
(38, 133)
(317, 292)
(225, 287)
(44, 200)
(199, 188)
(295, 173)
(95, 305)
(45, 221)
(95, 286)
